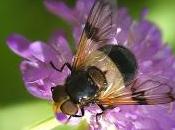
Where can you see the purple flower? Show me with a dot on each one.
(38, 75)
(142, 37)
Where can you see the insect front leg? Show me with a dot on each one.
(61, 69)
(82, 114)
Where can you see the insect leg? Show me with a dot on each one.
(60, 70)
(68, 119)
(102, 107)
(103, 110)
(99, 114)
(82, 113)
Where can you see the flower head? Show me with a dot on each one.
(142, 37)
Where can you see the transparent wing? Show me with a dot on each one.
(145, 90)
(98, 30)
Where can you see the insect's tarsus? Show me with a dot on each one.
(61, 69)
(82, 114)
(103, 111)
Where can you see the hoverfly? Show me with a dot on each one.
(104, 73)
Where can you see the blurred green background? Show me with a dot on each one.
(18, 108)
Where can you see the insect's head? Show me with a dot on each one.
(62, 102)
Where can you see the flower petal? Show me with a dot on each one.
(43, 52)
(146, 124)
(19, 45)
(39, 77)
(82, 10)
(33, 71)
(61, 117)
(124, 22)
(60, 44)
(39, 89)
(77, 30)
(60, 9)
(142, 30)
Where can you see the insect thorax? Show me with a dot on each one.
(80, 87)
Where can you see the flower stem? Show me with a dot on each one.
(47, 124)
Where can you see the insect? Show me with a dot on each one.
(104, 73)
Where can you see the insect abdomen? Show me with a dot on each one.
(123, 59)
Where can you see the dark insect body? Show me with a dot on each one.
(80, 87)
(83, 86)
(106, 74)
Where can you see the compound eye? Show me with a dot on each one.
(58, 93)
(69, 108)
